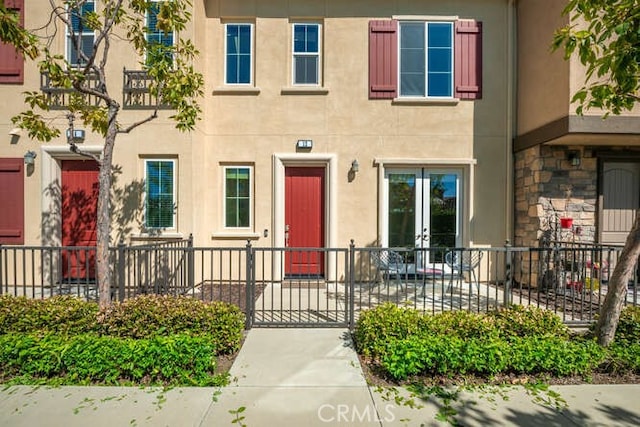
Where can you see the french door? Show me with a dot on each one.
(423, 211)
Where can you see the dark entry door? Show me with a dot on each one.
(620, 200)
(304, 220)
(79, 205)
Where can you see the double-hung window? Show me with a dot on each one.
(80, 37)
(158, 39)
(306, 54)
(238, 54)
(237, 197)
(160, 193)
(426, 59)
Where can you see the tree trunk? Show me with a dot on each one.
(104, 214)
(612, 306)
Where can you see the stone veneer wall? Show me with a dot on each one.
(548, 187)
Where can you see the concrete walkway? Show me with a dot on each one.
(304, 377)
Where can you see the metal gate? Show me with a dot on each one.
(306, 299)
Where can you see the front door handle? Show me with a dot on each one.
(424, 236)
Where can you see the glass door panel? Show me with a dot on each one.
(423, 212)
(443, 206)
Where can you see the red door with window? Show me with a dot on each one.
(304, 220)
(79, 206)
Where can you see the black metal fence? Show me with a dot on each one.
(328, 286)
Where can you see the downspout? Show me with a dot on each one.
(511, 118)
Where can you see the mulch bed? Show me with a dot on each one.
(576, 305)
(232, 293)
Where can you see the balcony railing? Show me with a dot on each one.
(136, 91)
(59, 98)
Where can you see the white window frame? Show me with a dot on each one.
(251, 56)
(224, 197)
(317, 54)
(426, 58)
(174, 167)
(70, 33)
(146, 20)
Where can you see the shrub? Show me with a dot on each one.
(486, 357)
(92, 359)
(628, 330)
(382, 325)
(622, 359)
(152, 315)
(518, 321)
(554, 356)
(59, 314)
(445, 356)
(461, 324)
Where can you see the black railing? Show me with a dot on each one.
(136, 91)
(327, 286)
(59, 98)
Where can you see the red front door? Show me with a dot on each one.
(79, 204)
(304, 220)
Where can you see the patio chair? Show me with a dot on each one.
(461, 262)
(388, 264)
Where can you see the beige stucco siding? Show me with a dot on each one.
(157, 139)
(249, 127)
(259, 127)
(544, 88)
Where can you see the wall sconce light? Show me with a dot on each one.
(355, 166)
(77, 135)
(15, 132)
(304, 143)
(574, 158)
(30, 158)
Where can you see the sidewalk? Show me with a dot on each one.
(303, 377)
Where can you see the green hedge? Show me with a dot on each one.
(628, 330)
(523, 355)
(145, 316)
(515, 341)
(60, 314)
(144, 340)
(377, 327)
(150, 315)
(92, 359)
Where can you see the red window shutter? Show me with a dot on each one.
(11, 62)
(12, 196)
(383, 59)
(468, 63)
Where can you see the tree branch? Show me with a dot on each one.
(141, 122)
(74, 149)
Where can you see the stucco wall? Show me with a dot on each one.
(471, 136)
(342, 121)
(543, 77)
(158, 138)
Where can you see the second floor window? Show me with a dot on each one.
(238, 54)
(80, 38)
(158, 40)
(306, 54)
(426, 59)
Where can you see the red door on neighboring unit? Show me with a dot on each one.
(79, 205)
(304, 220)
